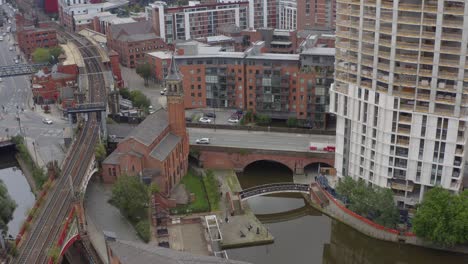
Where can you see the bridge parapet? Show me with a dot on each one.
(274, 188)
(87, 107)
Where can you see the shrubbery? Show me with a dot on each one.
(374, 203)
(144, 231)
(194, 185)
(37, 173)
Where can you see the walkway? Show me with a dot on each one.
(273, 188)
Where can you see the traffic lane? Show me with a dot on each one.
(222, 115)
(259, 140)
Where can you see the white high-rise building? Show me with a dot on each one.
(401, 94)
(287, 14)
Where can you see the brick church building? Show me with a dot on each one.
(158, 148)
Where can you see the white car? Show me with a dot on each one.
(233, 120)
(10, 48)
(163, 92)
(203, 141)
(204, 120)
(16, 61)
(47, 121)
(1, 80)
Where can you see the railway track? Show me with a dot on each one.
(46, 228)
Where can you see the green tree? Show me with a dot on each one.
(100, 152)
(125, 93)
(131, 197)
(145, 71)
(139, 99)
(7, 207)
(143, 230)
(292, 122)
(442, 217)
(41, 55)
(55, 53)
(154, 188)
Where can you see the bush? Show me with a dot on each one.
(292, 122)
(262, 120)
(144, 231)
(212, 190)
(125, 93)
(131, 197)
(54, 253)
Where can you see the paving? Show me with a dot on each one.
(239, 230)
(222, 115)
(153, 91)
(188, 237)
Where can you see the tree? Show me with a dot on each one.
(375, 203)
(292, 122)
(41, 55)
(125, 93)
(7, 207)
(131, 197)
(442, 217)
(139, 99)
(144, 70)
(154, 188)
(100, 152)
(55, 53)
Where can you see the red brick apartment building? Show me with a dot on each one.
(316, 14)
(279, 85)
(132, 41)
(31, 36)
(157, 148)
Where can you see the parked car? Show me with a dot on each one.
(204, 120)
(47, 121)
(203, 141)
(163, 92)
(16, 61)
(233, 120)
(239, 112)
(10, 48)
(1, 80)
(188, 119)
(212, 115)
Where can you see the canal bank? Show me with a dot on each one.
(18, 189)
(315, 237)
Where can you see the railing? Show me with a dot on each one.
(273, 188)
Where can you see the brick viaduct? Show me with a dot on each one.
(214, 157)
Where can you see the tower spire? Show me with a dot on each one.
(173, 74)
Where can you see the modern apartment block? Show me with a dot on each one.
(195, 20)
(278, 85)
(316, 14)
(401, 94)
(287, 14)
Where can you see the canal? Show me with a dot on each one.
(18, 188)
(303, 235)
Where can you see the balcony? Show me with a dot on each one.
(452, 23)
(402, 142)
(454, 10)
(404, 120)
(404, 131)
(451, 36)
(423, 109)
(444, 112)
(406, 95)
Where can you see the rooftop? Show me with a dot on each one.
(135, 31)
(86, 17)
(148, 130)
(218, 38)
(167, 144)
(136, 253)
(319, 51)
(164, 55)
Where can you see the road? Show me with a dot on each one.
(15, 94)
(258, 139)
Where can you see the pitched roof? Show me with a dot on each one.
(130, 252)
(113, 158)
(148, 130)
(173, 74)
(167, 144)
(135, 31)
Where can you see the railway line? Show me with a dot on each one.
(45, 230)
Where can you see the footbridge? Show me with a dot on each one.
(288, 215)
(21, 69)
(272, 188)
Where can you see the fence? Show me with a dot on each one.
(264, 129)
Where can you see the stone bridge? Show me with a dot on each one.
(215, 157)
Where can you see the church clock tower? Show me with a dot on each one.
(175, 101)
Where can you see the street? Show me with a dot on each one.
(258, 139)
(16, 101)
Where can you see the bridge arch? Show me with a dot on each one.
(268, 160)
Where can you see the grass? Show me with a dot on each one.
(212, 190)
(194, 185)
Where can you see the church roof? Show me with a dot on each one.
(167, 144)
(173, 74)
(148, 130)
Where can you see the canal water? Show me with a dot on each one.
(303, 235)
(19, 190)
